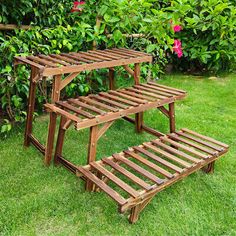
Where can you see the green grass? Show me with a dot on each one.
(35, 200)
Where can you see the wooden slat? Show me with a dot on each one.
(138, 169)
(100, 98)
(86, 56)
(175, 137)
(119, 99)
(95, 109)
(41, 61)
(112, 193)
(145, 92)
(128, 174)
(176, 151)
(103, 53)
(167, 87)
(186, 148)
(153, 91)
(65, 59)
(159, 159)
(76, 58)
(57, 110)
(26, 61)
(160, 91)
(129, 52)
(206, 138)
(92, 101)
(119, 93)
(99, 56)
(54, 60)
(115, 179)
(149, 164)
(200, 141)
(134, 51)
(168, 155)
(75, 109)
(111, 54)
(122, 56)
(137, 95)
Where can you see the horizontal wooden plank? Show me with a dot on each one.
(167, 87)
(149, 164)
(159, 159)
(206, 138)
(139, 169)
(128, 174)
(176, 151)
(184, 147)
(115, 179)
(112, 193)
(168, 155)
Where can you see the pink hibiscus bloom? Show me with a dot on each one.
(177, 48)
(75, 7)
(177, 28)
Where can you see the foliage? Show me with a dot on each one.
(209, 35)
(208, 40)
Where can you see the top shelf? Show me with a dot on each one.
(57, 64)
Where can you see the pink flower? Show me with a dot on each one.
(177, 28)
(177, 48)
(75, 7)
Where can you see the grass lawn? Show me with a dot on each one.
(35, 200)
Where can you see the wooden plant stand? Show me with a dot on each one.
(160, 162)
(71, 64)
(105, 108)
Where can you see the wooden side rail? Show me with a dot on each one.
(107, 106)
(160, 162)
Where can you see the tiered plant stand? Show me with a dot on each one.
(137, 173)
(71, 65)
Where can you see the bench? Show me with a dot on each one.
(160, 162)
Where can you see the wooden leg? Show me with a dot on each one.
(30, 110)
(134, 214)
(138, 116)
(209, 169)
(172, 117)
(92, 153)
(139, 122)
(50, 139)
(111, 79)
(60, 140)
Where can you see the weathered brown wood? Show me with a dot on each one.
(168, 94)
(129, 70)
(206, 138)
(99, 104)
(172, 116)
(102, 130)
(50, 139)
(113, 194)
(55, 96)
(164, 86)
(188, 149)
(115, 179)
(159, 159)
(164, 111)
(149, 164)
(137, 95)
(176, 151)
(111, 77)
(134, 214)
(151, 91)
(60, 140)
(128, 174)
(67, 80)
(139, 169)
(30, 109)
(168, 155)
(50, 58)
(84, 105)
(120, 94)
(78, 111)
(199, 147)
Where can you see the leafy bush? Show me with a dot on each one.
(208, 40)
(209, 34)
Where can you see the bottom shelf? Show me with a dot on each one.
(133, 177)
